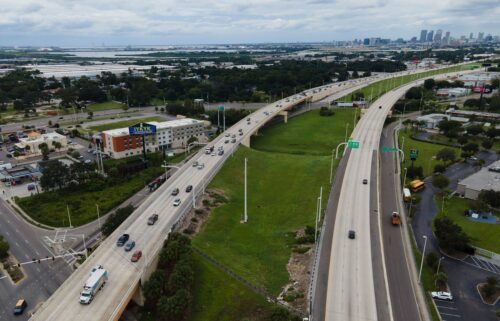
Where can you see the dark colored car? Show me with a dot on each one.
(352, 234)
(365, 181)
(189, 188)
(122, 240)
(129, 246)
(136, 256)
(152, 219)
(20, 306)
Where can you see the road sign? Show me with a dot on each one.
(413, 154)
(351, 143)
(221, 107)
(389, 149)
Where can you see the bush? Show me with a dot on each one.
(415, 172)
(450, 235)
(440, 181)
(432, 260)
(325, 111)
(439, 168)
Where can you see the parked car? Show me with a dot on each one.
(20, 306)
(189, 188)
(175, 191)
(122, 240)
(129, 246)
(442, 296)
(177, 202)
(31, 187)
(136, 256)
(152, 219)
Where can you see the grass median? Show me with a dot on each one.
(282, 190)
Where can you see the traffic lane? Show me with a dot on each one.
(404, 304)
(462, 280)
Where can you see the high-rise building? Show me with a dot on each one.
(446, 39)
(423, 35)
(430, 36)
(480, 36)
(439, 34)
(366, 41)
(471, 36)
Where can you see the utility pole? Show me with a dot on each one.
(98, 217)
(245, 216)
(422, 261)
(69, 216)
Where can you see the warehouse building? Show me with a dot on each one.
(488, 178)
(432, 121)
(174, 134)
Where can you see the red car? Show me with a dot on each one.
(136, 256)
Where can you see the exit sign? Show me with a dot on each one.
(351, 143)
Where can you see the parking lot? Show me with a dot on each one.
(447, 310)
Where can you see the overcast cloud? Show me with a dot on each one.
(150, 22)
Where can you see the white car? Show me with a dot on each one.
(177, 202)
(442, 295)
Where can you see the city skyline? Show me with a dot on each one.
(89, 22)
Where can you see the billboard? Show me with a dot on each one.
(142, 129)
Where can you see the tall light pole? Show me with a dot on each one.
(165, 166)
(69, 216)
(245, 216)
(331, 168)
(422, 261)
(98, 217)
(346, 127)
(439, 264)
(404, 177)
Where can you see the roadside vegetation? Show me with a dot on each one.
(104, 106)
(124, 123)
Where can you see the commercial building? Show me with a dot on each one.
(478, 115)
(452, 92)
(174, 134)
(31, 144)
(432, 121)
(423, 35)
(488, 178)
(430, 36)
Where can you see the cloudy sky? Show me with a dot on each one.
(156, 22)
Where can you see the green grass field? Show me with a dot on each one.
(124, 123)
(426, 152)
(482, 235)
(306, 134)
(219, 297)
(381, 87)
(104, 106)
(282, 190)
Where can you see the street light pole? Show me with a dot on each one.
(422, 261)
(404, 177)
(439, 264)
(245, 217)
(98, 217)
(346, 127)
(331, 168)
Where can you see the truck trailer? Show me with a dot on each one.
(94, 283)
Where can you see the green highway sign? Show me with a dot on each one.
(352, 143)
(413, 154)
(389, 149)
(221, 107)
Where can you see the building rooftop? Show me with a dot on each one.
(439, 117)
(159, 125)
(472, 112)
(485, 179)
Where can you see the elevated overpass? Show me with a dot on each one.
(125, 277)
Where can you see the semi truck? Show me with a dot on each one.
(94, 283)
(395, 219)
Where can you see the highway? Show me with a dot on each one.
(124, 276)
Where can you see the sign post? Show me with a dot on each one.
(351, 143)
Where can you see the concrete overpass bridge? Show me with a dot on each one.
(126, 278)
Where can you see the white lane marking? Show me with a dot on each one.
(3, 277)
(442, 307)
(451, 315)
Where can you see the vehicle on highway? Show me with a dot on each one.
(379, 107)
(94, 283)
(195, 163)
(122, 240)
(365, 181)
(227, 135)
(208, 150)
(201, 165)
(177, 202)
(241, 133)
(226, 141)
(352, 234)
(248, 119)
(233, 136)
(440, 295)
(233, 140)
(20, 306)
(175, 191)
(213, 154)
(395, 218)
(152, 219)
(129, 246)
(240, 130)
(189, 188)
(136, 256)
(473, 158)
(221, 152)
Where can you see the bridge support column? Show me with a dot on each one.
(246, 141)
(284, 113)
(152, 265)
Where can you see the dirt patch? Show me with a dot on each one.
(491, 299)
(194, 220)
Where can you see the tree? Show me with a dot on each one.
(115, 219)
(490, 197)
(57, 145)
(441, 278)
(174, 307)
(462, 140)
(432, 260)
(4, 248)
(446, 155)
(54, 174)
(440, 181)
(154, 288)
(495, 82)
(475, 130)
(439, 168)
(487, 144)
(44, 149)
(91, 114)
(192, 139)
(429, 84)
(415, 172)
(493, 132)
(450, 128)
(450, 235)
(470, 149)
(491, 287)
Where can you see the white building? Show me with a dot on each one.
(31, 143)
(174, 134)
(432, 121)
(488, 178)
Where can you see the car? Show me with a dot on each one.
(122, 240)
(233, 136)
(20, 306)
(9, 155)
(136, 256)
(177, 202)
(175, 191)
(88, 161)
(195, 163)
(61, 117)
(226, 141)
(129, 246)
(90, 150)
(240, 130)
(213, 154)
(365, 181)
(241, 133)
(473, 158)
(31, 187)
(248, 119)
(352, 234)
(201, 166)
(227, 135)
(233, 140)
(379, 107)
(440, 295)
(189, 188)
(221, 152)
(152, 219)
